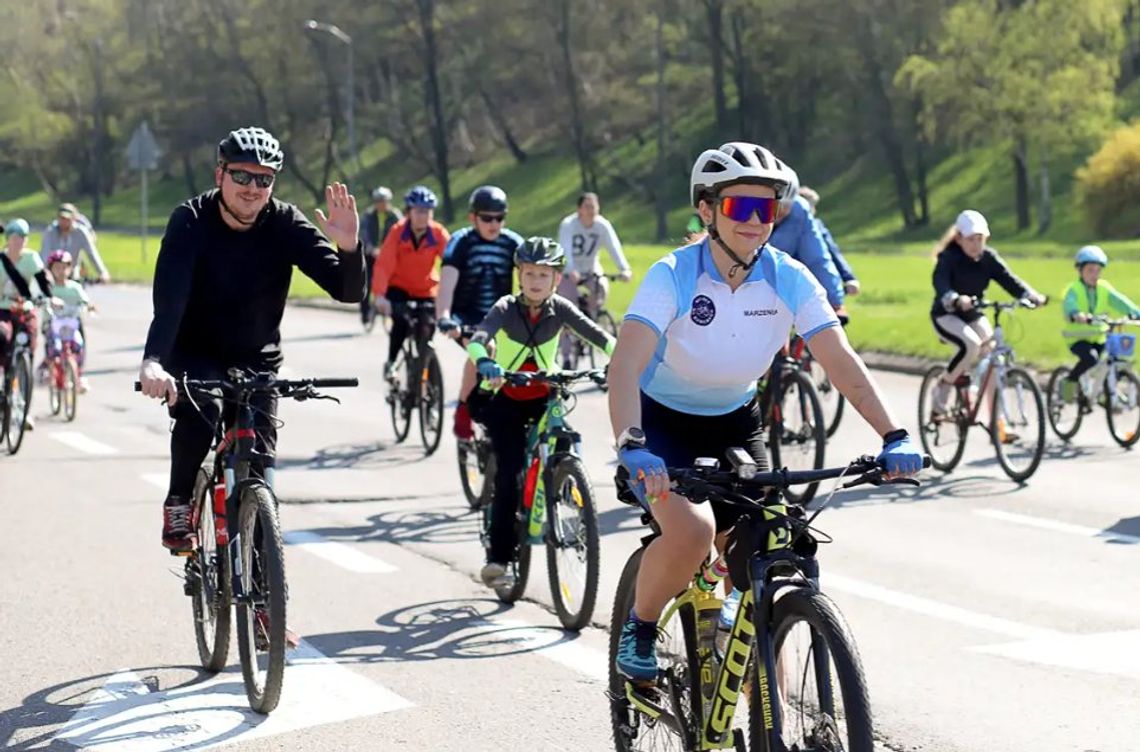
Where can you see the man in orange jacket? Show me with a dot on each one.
(406, 267)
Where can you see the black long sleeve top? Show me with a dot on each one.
(955, 272)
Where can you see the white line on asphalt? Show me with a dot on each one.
(338, 553)
(1059, 527)
(76, 440)
(126, 716)
(588, 661)
(159, 480)
(937, 610)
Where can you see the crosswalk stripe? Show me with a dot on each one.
(83, 443)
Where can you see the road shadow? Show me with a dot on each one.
(1129, 526)
(451, 525)
(44, 713)
(935, 485)
(367, 456)
(462, 628)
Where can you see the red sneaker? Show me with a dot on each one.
(176, 533)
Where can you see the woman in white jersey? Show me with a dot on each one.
(703, 326)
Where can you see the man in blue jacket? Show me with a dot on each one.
(798, 235)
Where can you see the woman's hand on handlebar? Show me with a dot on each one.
(157, 383)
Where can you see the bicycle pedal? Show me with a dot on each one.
(183, 554)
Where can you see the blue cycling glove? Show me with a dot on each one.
(900, 455)
(489, 369)
(640, 462)
(446, 324)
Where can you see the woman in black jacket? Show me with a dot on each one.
(965, 266)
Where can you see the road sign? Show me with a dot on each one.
(143, 151)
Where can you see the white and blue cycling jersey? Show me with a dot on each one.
(715, 343)
(799, 236)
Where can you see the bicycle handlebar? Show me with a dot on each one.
(558, 378)
(262, 383)
(1001, 306)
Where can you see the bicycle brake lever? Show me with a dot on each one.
(872, 478)
(903, 482)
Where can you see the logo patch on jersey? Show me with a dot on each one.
(703, 310)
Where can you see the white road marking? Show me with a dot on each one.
(158, 480)
(340, 554)
(1059, 527)
(935, 609)
(1104, 653)
(588, 661)
(123, 715)
(83, 443)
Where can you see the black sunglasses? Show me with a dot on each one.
(245, 177)
(489, 218)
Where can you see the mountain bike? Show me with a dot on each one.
(580, 350)
(61, 329)
(237, 556)
(793, 420)
(1112, 380)
(416, 381)
(1017, 409)
(556, 506)
(830, 399)
(16, 395)
(803, 683)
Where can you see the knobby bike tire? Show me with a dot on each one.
(826, 622)
(938, 458)
(571, 469)
(1054, 403)
(1125, 436)
(70, 388)
(431, 403)
(810, 402)
(19, 380)
(1038, 403)
(258, 509)
(211, 587)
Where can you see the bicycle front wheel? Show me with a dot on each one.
(70, 388)
(261, 611)
(19, 388)
(830, 400)
(431, 402)
(819, 696)
(798, 438)
(943, 437)
(1064, 416)
(55, 387)
(1122, 407)
(1017, 424)
(208, 577)
(572, 547)
(399, 397)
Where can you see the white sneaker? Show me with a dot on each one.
(496, 575)
(941, 398)
(83, 385)
(29, 424)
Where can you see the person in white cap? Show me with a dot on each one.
(965, 266)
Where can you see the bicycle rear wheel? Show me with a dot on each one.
(520, 565)
(1017, 424)
(261, 612)
(676, 691)
(19, 401)
(943, 439)
(797, 437)
(70, 388)
(431, 402)
(815, 656)
(1123, 408)
(476, 469)
(1064, 417)
(399, 397)
(830, 400)
(572, 546)
(598, 359)
(208, 580)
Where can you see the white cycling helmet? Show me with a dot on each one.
(1091, 254)
(792, 193)
(739, 162)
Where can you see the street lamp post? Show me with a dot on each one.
(341, 36)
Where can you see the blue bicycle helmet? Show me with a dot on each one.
(420, 197)
(1091, 254)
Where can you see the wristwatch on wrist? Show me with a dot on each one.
(632, 437)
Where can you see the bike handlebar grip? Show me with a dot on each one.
(138, 386)
(333, 383)
(926, 461)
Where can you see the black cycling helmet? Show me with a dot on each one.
(488, 198)
(542, 251)
(254, 145)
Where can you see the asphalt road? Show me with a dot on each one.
(990, 616)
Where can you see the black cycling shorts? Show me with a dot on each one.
(680, 438)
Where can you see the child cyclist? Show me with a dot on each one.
(1084, 299)
(74, 299)
(525, 328)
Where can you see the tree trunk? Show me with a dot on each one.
(1021, 176)
(438, 128)
(501, 124)
(99, 140)
(740, 73)
(1045, 212)
(188, 173)
(715, 11)
(570, 81)
(659, 199)
(920, 167)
